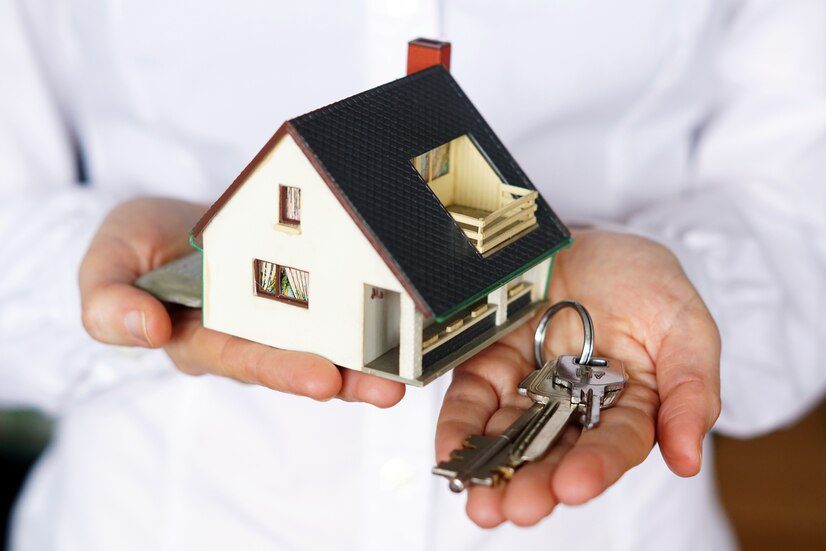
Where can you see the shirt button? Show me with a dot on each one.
(399, 476)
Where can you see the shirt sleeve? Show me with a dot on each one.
(751, 230)
(47, 219)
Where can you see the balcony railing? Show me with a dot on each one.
(489, 230)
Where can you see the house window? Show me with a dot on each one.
(433, 164)
(281, 283)
(289, 209)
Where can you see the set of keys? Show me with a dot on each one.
(559, 389)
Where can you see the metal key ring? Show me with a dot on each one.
(587, 327)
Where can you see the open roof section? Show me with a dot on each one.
(365, 143)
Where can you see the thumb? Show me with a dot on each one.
(121, 314)
(135, 237)
(113, 311)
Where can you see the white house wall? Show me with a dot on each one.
(338, 257)
(538, 277)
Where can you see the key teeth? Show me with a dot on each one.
(447, 468)
(469, 448)
(462, 454)
(476, 441)
(505, 472)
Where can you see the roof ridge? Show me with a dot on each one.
(334, 106)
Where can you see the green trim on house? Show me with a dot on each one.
(194, 242)
(467, 302)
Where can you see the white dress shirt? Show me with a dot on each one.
(701, 124)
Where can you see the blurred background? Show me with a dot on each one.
(773, 487)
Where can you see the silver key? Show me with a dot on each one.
(558, 389)
(591, 391)
(485, 460)
(594, 382)
(488, 460)
(536, 440)
(597, 384)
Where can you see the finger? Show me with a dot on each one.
(468, 404)
(112, 310)
(479, 387)
(484, 505)
(688, 375)
(118, 313)
(528, 496)
(363, 387)
(623, 439)
(196, 349)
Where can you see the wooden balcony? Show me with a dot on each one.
(489, 230)
(438, 334)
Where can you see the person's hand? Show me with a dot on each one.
(646, 314)
(142, 234)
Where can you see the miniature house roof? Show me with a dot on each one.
(362, 147)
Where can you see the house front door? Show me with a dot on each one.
(381, 321)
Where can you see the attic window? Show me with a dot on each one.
(289, 205)
(281, 283)
(490, 212)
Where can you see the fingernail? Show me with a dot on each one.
(135, 323)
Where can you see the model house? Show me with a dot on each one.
(390, 232)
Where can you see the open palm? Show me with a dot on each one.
(646, 314)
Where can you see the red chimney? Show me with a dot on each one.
(424, 52)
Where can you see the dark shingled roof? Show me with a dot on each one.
(365, 144)
(362, 148)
